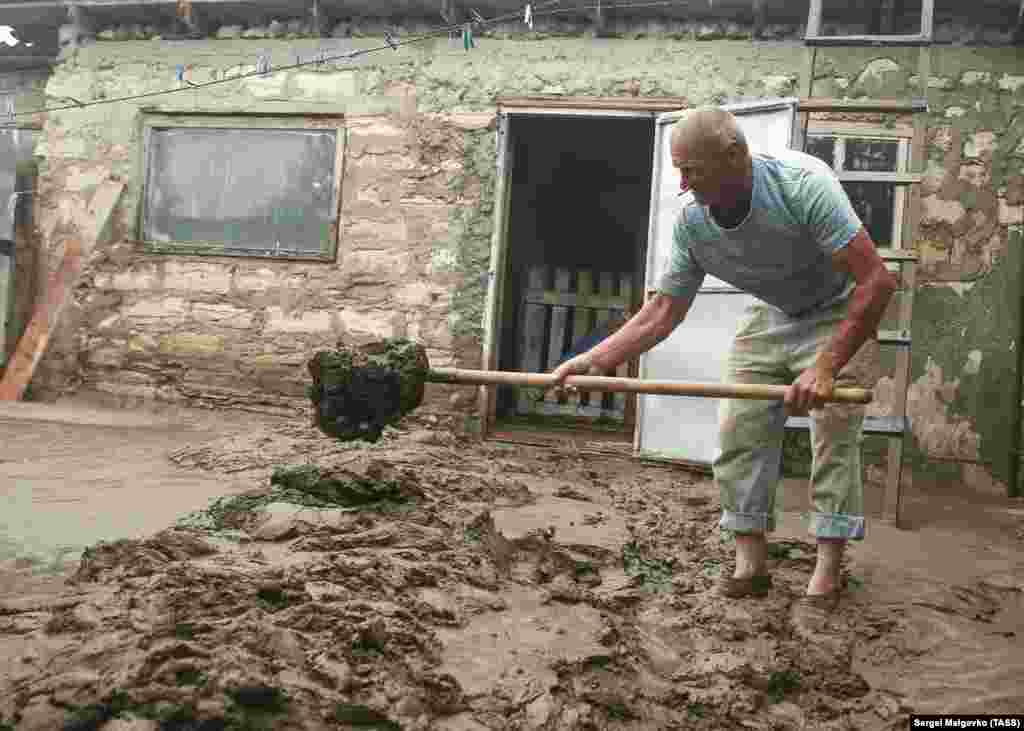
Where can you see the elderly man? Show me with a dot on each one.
(780, 227)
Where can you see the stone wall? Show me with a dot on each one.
(417, 211)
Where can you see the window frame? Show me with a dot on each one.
(902, 134)
(154, 119)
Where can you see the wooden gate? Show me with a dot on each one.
(559, 307)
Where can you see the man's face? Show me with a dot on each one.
(705, 172)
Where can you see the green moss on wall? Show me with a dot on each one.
(471, 229)
(986, 319)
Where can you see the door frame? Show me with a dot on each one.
(508, 109)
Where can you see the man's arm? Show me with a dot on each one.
(653, 323)
(874, 289)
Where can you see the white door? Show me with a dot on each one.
(678, 427)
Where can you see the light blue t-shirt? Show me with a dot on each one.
(781, 252)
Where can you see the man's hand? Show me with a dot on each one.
(814, 385)
(581, 365)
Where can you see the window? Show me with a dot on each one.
(229, 188)
(879, 205)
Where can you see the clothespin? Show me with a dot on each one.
(182, 69)
(297, 56)
(467, 36)
(389, 39)
(528, 16)
(9, 110)
(477, 18)
(263, 64)
(72, 99)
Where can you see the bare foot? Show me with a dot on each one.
(751, 555)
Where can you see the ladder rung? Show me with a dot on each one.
(827, 104)
(897, 255)
(896, 40)
(894, 337)
(890, 426)
(860, 176)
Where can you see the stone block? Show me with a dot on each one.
(1010, 215)
(222, 315)
(975, 78)
(377, 266)
(1011, 82)
(473, 121)
(142, 343)
(419, 294)
(880, 77)
(258, 280)
(980, 145)
(307, 322)
(171, 310)
(938, 210)
(111, 356)
(191, 344)
(197, 277)
(369, 323)
(140, 277)
(977, 175)
(395, 231)
(78, 179)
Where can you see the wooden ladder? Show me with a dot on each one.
(901, 258)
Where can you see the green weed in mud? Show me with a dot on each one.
(781, 683)
(305, 486)
(364, 717)
(190, 677)
(655, 574)
(780, 551)
(695, 711)
(854, 583)
(618, 712)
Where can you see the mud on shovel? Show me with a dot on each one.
(358, 390)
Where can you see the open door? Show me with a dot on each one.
(673, 427)
(486, 395)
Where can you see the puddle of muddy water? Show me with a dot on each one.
(65, 486)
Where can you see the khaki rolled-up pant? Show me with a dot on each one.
(771, 347)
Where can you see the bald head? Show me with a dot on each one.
(710, 129)
(710, 151)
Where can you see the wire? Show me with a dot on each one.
(392, 45)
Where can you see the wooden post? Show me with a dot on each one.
(320, 20)
(85, 227)
(581, 321)
(531, 339)
(760, 11)
(1018, 34)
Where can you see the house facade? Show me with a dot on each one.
(216, 278)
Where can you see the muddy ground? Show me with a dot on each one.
(430, 581)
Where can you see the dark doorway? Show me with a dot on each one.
(578, 226)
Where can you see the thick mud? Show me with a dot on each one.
(431, 582)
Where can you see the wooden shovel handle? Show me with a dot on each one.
(636, 385)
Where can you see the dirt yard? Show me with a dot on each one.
(269, 578)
